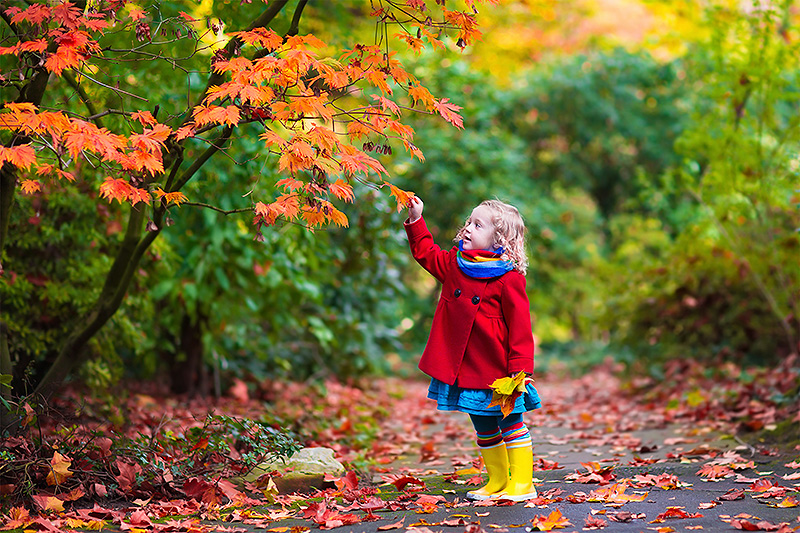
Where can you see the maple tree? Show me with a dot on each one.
(324, 116)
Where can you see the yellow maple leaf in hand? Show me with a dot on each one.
(505, 392)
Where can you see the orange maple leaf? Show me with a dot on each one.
(262, 37)
(65, 57)
(386, 104)
(712, 471)
(309, 105)
(35, 14)
(789, 501)
(378, 79)
(402, 197)
(413, 42)
(336, 79)
(354, 161)
(291, 184)
(46, 502)
(334, 215)
(288, 204)
(136, 13)
(554, 520)
(67, 14)
(229, 115)
(313, 217)
(342, 189)
(357, 129)
(136, 195)
(176, 197)
(185, 132)
(21, 156)
(144, 160)
(405, 132)
(323, 137)
(437, 43)
(303, 40)
(297, 155)
(37, 46)
(145, 118)
(467, 24)
(17, 518)
(115, 189)
(30, 186)
(421, 94)
(59, 469)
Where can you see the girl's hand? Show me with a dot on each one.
(415, 206)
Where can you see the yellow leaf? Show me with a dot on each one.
(790, 501)
(59, 469)
(48, 503)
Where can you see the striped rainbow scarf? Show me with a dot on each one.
(482, 263)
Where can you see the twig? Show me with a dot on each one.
(743, 443)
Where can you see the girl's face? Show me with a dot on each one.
(479, 232)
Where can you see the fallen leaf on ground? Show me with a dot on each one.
(762, 525)
(554, 520)
(591, 522)
(674, 512)
(731, 495)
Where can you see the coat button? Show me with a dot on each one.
(457, 293)
(476, 299)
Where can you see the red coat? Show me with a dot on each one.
(481, 329)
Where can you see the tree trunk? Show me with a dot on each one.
(118, 279)
(188, 374)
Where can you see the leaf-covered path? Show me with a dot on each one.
(621, 456)
(604, 459)
(674, 454)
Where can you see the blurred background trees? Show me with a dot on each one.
(653, 156)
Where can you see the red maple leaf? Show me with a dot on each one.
(327, 518)
(674, 512)
(401, 482)
(449, 112)
(592, 522)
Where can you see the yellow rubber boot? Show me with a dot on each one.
(496, 461)
(520, 484)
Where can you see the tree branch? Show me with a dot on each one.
(215, 147)
(294, 27)
(95, 117)
(220, 210)
(115, 89)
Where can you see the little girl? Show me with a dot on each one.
(481, 331)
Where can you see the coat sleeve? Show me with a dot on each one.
(425, 251)
(517, 314)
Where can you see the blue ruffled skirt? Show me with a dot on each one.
(476, 401)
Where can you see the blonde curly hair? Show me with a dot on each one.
(509, 232)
